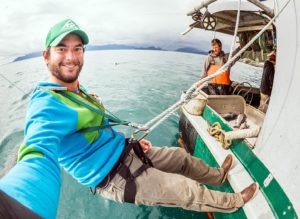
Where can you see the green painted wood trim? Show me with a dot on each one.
(273, 193)
(201, 151)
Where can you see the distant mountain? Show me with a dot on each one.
(191, 50)
(117, 47)
(109, 47)
(28, 56)
(150, 48)
(120, 46)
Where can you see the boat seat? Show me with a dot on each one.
(224, 104)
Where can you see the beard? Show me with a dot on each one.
(56, 71)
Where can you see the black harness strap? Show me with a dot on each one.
(124, 171)
(130, 186)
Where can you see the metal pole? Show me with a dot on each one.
(265, 8)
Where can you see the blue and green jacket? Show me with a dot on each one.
(53, 136)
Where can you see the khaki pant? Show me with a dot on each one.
(175, 181)
(263, 105)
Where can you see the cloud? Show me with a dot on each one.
(24, 24)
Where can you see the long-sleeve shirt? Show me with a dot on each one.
(35, 180)
(53, 137)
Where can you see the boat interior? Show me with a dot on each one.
(250, 23)
(237, 113)
(239, 109)
(250, 94)
(207, 120)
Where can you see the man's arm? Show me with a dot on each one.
(266, 84)
(35, 180)
(35, 184)
(271, 78)
(205, 68)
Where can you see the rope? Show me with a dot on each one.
(241, 134)
(218, 133)
(195, 89)
(13, 84)
(236, 29)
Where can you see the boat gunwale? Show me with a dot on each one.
(275, 196)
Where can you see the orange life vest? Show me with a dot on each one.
(222, 78)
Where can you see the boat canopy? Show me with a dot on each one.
(221, 16)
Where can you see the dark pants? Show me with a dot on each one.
(11, 209)
(218, 89)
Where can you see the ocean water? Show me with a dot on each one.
(134, 85)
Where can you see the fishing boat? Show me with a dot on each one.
(265, 145)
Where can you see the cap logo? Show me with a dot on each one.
(70, 25)
(61, 30)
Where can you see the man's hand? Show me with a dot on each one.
(146, 145)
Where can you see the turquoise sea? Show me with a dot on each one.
(133, 84)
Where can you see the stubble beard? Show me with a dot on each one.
(57, 73)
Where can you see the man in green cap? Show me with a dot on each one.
(60, 33)
(64, 119)
(31, 188)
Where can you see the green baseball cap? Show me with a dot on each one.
(62, 29)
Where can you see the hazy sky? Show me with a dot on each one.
(24, 23)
